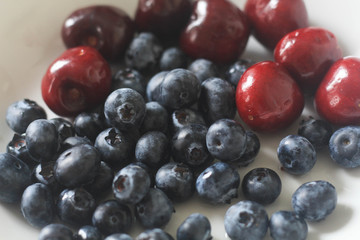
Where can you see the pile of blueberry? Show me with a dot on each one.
(149, 118)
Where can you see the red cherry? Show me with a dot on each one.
(76, 81)
(273, 19)
(268, 98)
(108, 29)
(218, 30)
(307, 54)
(338, 96)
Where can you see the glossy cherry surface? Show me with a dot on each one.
(77, 80)
(308, 53)
(108, 29)
(337, 98)
(268, 98)
(273, 19)
(218, 31)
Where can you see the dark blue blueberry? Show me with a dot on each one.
(261, 185)
(296, 154)
(44, 173)
(144, 52)
(89, 125)
(37, 205)
(42, 140)
(204, 69)
(17, 147)
(76, 206)
(154, 234)
(172, 58)
(131, 184)
(125, 109)
(64, 127)
(218, 184)
(176, 180)
(189, 145)
(21, 113)
(226, 140)
(246, 220)
(153, 149)
(344, 146)
(194, 227)
(118, 236)
(284, 225)
(154, 210)
(129, 78)
(217, 100)
(156, 118)
(56, 231)
(88, 232)
(153, 86)
(236, 70)
(317, 131)
(183, 117)
(15, 176)
(102, 181)
(112, 217)
(74, 141)
(251, 150)
(77, 165)
(314, 200)
(150, 170)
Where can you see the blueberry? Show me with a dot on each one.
(21, 113)
(42, 140)
(131, 184)
(125, 109)
(156, 118)
(154, 210)
(56, 231)
(284, 225)
(102, 181)
(314, 200)
(89, 125)
(118, 236)
(217, 100)
(15, 176)
(203, 69)
(246, 220)
(64, 127)
(74, 141)
(218, 184)
(236, 70)
(261, 185)
(226, 140)
(153, 86)
(317, 131)
(17, 147)
(154, 234)
(176, 180)
(129, 78)
(37, 205)
(296, 154)
(194, 227)
(153, 148)
(172, 58)
(251, 150)
(44, 173)
(344, 146)
(112, 217)
(88, 232)
(183, 117)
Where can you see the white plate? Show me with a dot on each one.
(30, 40)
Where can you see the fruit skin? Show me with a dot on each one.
(337, 99)
(108, 29)
(317, 131)
(267, 97)
(194, 227)
(286, 15)
(118, 236)
(155, 233)
(286, 225)
(307, 54)
(56, 231)
(79, 79)
(215, 23)
(88, 232)
(204, 69)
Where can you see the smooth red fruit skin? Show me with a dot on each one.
(218, 30)
(338, 97)
(106, 28)
(307, 54)
(267, 98)
(273, 19)
(76, 81)
(164, 18)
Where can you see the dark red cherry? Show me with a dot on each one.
(268, 98)
(218, 31)
(77, 80)
(338, 97)
(108, 29)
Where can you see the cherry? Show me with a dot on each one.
(307, 54)
(164, 18)
(218, 31)
(273, 19)
(77, 80)
(108, 29)
(268, 98)
(337, 98)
